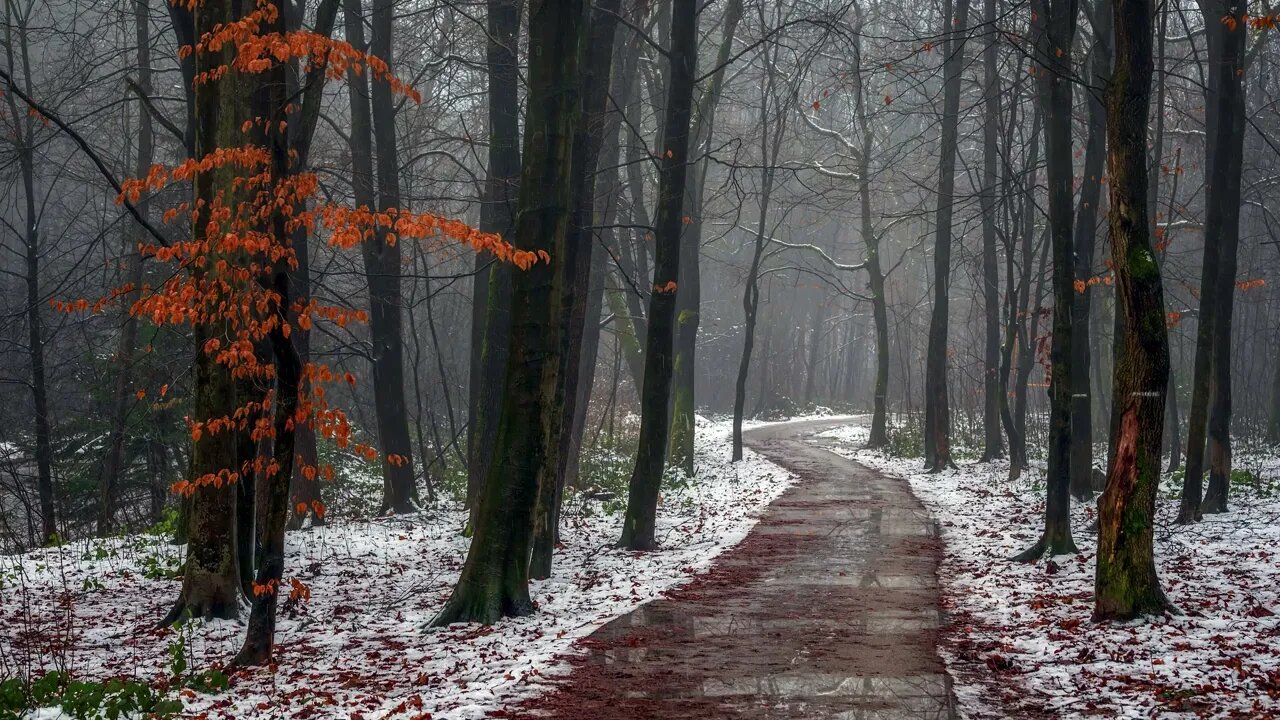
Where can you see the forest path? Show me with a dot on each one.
(828, 609)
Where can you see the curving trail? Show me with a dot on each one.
(828, 609)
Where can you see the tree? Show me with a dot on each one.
(491, 289)
(689, 298)
(1085, 239)
(1125, 584)
(576, 291)
(993, 445)
(23, 134)
(937, 416)
(373, 119)
(495, 578)
(1054, 25)
(646, 478)
(1224, 150)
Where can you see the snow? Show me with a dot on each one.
(1021, 643)
(360, 647)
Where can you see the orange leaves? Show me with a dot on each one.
(817, 105)
(1080, 286)
(1174, 317)
(1229, 22)
(298, 590)
(1250, 284)
(888, 99)
(668, 289)
(397, 460)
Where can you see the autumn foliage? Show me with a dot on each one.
(221, 272)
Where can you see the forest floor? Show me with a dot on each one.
(1020, 642)
(829, 609)
(359, 647)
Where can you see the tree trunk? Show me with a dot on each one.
(495, 578)
(576, 289)
(211, 573)
(109, 474)
(937, 421)
(993, 444)
(372, 121)
(1126, 585)
(1056, 31)
(1085, 241)
(491, 290)
(1224, 147)
(689, 298)
(646, 479)
(305, 491)
(259, 638)
(815, 346)
(770, 145)
(1226, 123)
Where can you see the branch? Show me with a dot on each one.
(154, 111)
(93, 156)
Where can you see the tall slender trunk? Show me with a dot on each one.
(23, 134)
(305, 491)
(1224, 149)
(815, 345)
(689, 299)
(1085, 241)
(491, 289)
(495, 578)
(211, 573)
(646, 480)
(109, 473)
(993, 444)
(576, 289)
(937, 420)
(1054, 38)
(1125, 584)
(1019, 315)
(259, 641)
(771, 131)
(1223, 226)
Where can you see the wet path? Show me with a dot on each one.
(829, 609)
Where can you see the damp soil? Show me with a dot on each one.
(828, 609)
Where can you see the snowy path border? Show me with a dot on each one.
(359, 647)
(1021, 642)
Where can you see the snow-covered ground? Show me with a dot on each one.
(1021, 643)
(360, 647)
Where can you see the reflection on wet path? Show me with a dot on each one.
(829, 609)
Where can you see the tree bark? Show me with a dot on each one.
(576, 289)
(689, 298)
(306, 492)
(1224, 148)
(211, 573)
(1222, 226)
(937, 421)
(1054, 38)
(1125, 584)
(491, 289)
(373, 119)
(1085, 241)
(109, 474)
(993, 443)
(495, 578)
(646, 478)
(259, 640)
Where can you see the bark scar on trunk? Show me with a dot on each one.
(1124, 473)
